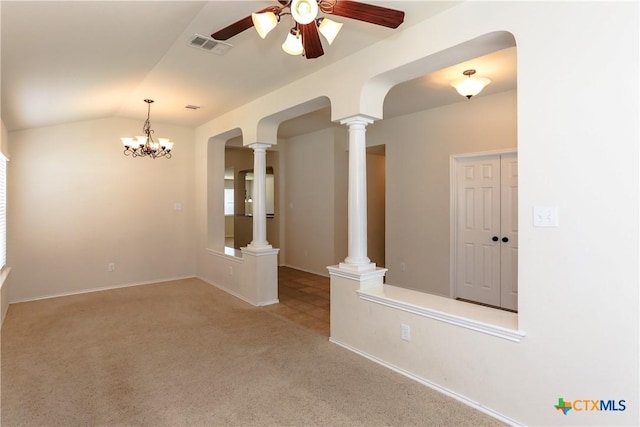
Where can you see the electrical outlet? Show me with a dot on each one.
(111, 267)
(230, 271)
(405, 332)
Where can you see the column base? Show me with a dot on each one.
(360, 268)
(260, 273)
(365, 279)
(259, 246)
(259, 250)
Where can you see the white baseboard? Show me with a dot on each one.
(463, 399)
(325, 273)
(237, 295)
(103, 288)
(227, 290)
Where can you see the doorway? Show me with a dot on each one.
(376, 204)
(485, 234)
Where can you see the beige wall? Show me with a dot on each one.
(4, 290)
(4, 140)
(76, 204)
(340, 193)
(4, 300)
(311, 161)
(418, 147)
(376, 209)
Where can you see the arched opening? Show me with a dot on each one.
(427, 127)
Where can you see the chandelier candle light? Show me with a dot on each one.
(145, 146)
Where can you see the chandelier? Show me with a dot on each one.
(145, 146)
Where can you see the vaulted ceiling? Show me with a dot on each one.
(65, 61)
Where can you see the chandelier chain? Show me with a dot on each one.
(146, 128)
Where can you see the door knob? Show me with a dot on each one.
(505, 239)
(494, 238)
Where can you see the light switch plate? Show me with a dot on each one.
(545, 216)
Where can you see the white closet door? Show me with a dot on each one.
(487, 230)
(478, 230)
(509, 231)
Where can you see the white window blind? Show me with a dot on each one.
(3, 211)
(228, 201)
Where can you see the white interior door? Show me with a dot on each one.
(486, 263)
(509, 231)
(478, 225)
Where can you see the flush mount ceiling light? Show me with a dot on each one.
(145, 146)
(303, 38)
(470, 85)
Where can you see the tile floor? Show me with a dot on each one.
(304, 299)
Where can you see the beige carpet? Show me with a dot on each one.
(183, 353)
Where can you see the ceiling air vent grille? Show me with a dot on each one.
(210, 45)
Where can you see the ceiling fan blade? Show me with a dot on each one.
(363, 12)
(241, 25)
(311, 40)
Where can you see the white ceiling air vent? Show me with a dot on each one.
(210, 45)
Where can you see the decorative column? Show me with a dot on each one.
(260, 259)
(357, 259)
(259, 196)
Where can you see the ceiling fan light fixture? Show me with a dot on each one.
(329, 29)
(304, 11)
(470, 85)
(293, 44)
(264, 22)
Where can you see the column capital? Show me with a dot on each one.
(358, 119)
(259, 146)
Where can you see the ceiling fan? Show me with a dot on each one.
(304, 39)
